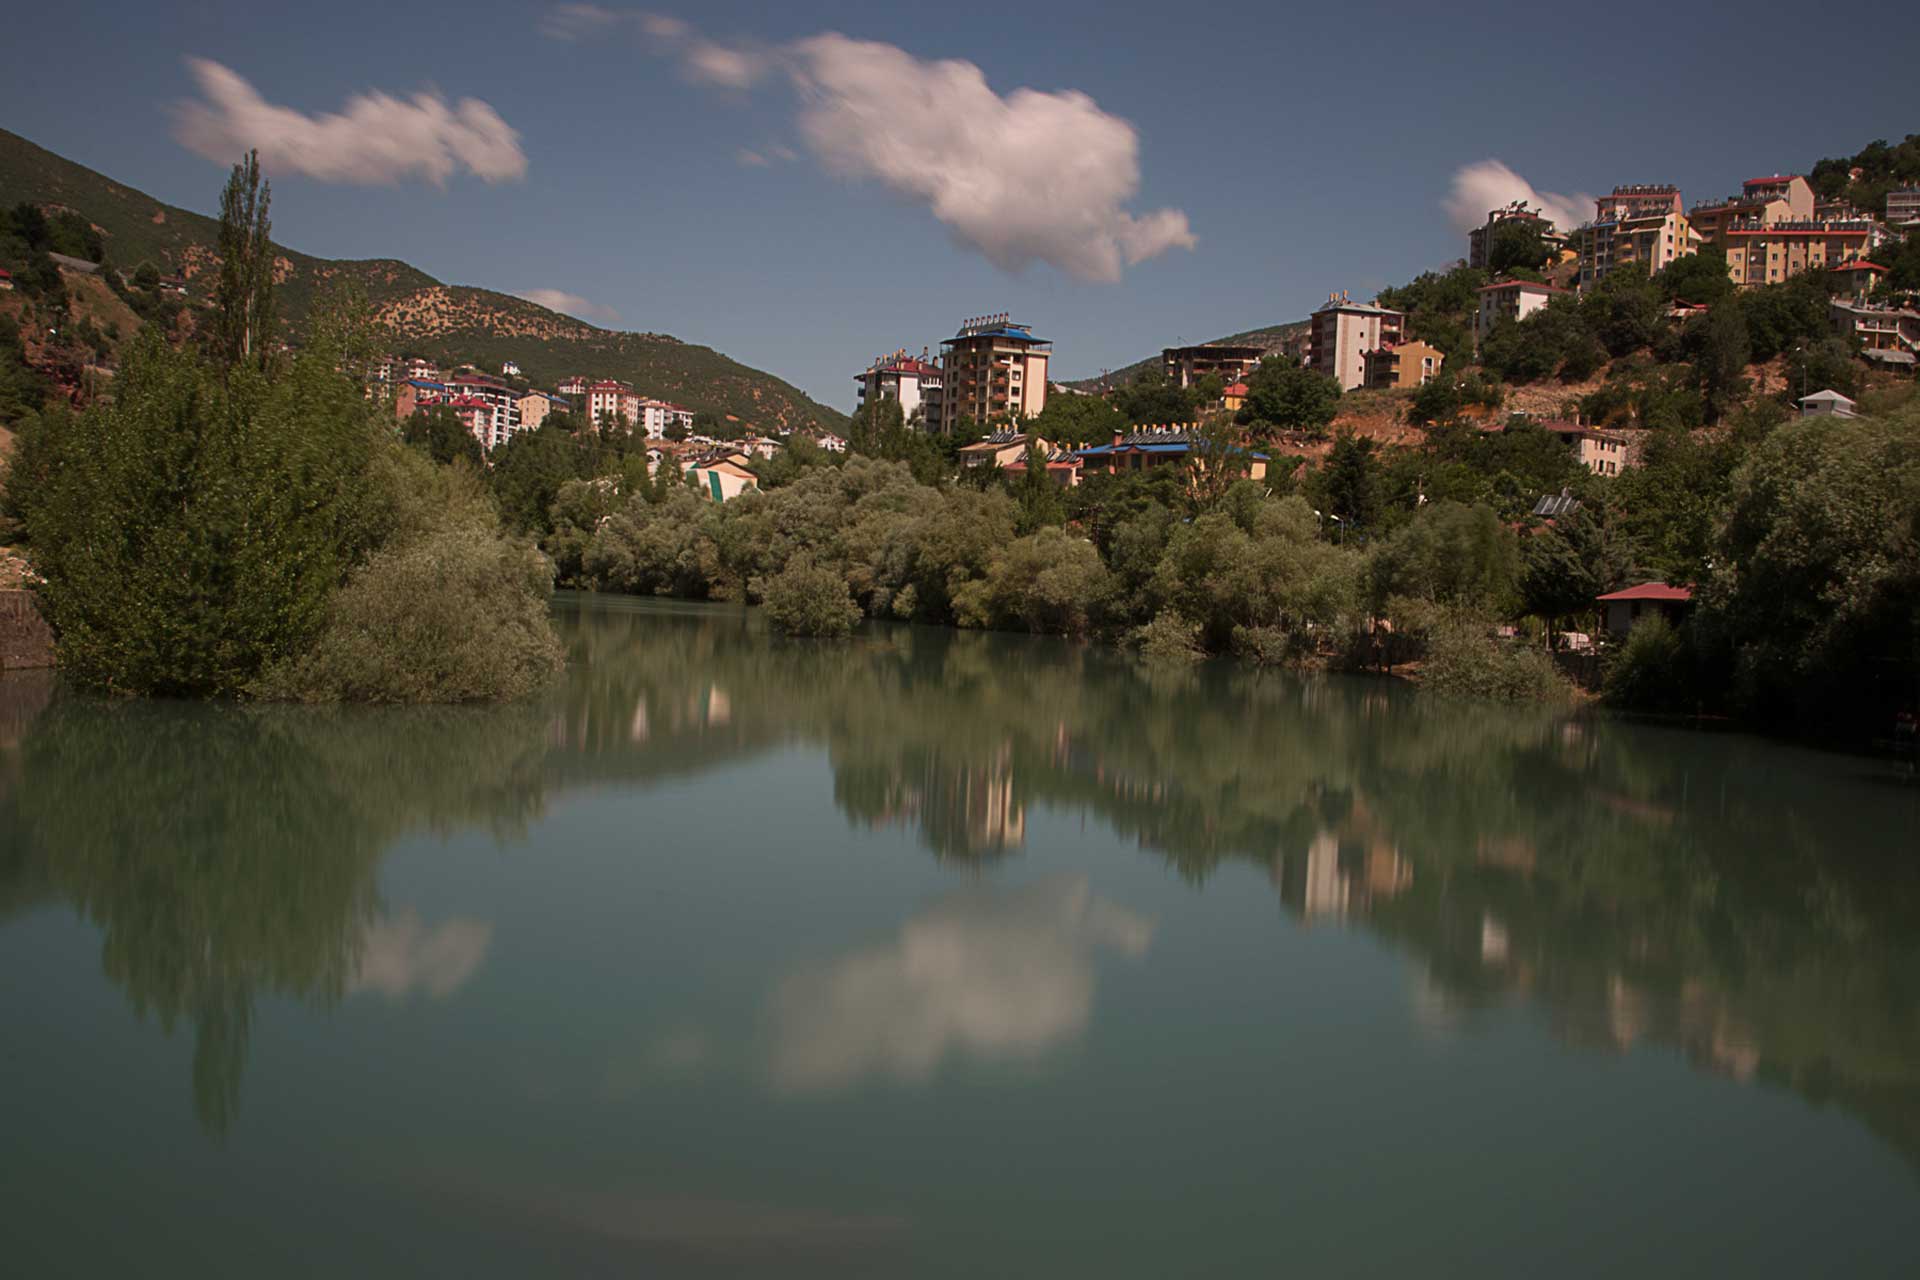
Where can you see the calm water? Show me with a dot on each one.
(945, 954)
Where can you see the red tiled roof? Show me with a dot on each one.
(1857, 265)
(1652, 591)
(5, 274)
(1237, 389)
(1767, 182)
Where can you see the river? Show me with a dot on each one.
(946, 954)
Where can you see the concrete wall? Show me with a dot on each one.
(25, 640)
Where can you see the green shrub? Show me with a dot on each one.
(457, 616)
(809, 600)
(1170, 638)
(1272, 646)
(1466, 660)
(1651, 671)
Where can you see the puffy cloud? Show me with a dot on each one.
(999, 975)
(571, 304)
(1026, 177)
(400, 955)
(578, 21)
(1489, 184)
(376, 138)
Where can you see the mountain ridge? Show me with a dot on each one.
(447, 323)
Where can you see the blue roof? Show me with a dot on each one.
(1018, 335)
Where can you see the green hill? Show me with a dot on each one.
(445, 323)
(1270, 337)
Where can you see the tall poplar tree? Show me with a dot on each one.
(245, 323)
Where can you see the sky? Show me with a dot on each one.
(806, 186)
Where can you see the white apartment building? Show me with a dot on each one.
(1343, 331)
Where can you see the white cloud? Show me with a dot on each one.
(751, 158)
(577, 21)
(998, 975)
(1026, 177)
(571, 304)
(1489, 184)
(375, 138)
(400, 955)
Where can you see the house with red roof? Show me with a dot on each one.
(6, 279)
(1626, 607)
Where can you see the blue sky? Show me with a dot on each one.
(1309, 148)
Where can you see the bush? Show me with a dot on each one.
(1170, 638)
(1650, 671)
(808, 600)
(1466, 660)
(457, 616)
(1272, 646)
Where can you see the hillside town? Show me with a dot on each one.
(992, 376)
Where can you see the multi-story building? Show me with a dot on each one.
(422, 370)
(995, 370)
(655, 417)
(1769, 252)
(916, 384)
(604, 401)
(1781, 198)
(1402, 365)
(502, 401)
(1888, 336)
(1185, 366)
(1605, 453)
(535, 406)
(1510, 300)
(1481, 238)
(1642, 224)
(1903, 206)
(1857, 277)
(1343, 331)
(476, 415)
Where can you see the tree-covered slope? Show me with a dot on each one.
(446, 323)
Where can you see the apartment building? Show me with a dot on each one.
(1643, 223)
(1231, 362)
(1888, 336)
(994, 369)
(1401, 366)
(1766, 253)
(1343, 331)
(1903, 206)
(1510, 300)
(916, 384)
(1780, 198)
(1605, 453)
(1481, 237)
(655, 417)
(502, 403)
(535, 406)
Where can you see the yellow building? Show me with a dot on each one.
(1642, 224)
(1767, 253)
(1403, 366)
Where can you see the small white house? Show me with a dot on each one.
(1827, 403)
(510, 369)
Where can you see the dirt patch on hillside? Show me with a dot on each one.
(429, 313)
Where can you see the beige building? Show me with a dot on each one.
(1343, 331)
(535, 406)
(1642, 224)
(1000, 449)
(1185, 366)
(1903, 206)
(1402, 365)
(1510, 300)
(1605, 453)
(1781, 198)
(1767, 253)
(994, 370)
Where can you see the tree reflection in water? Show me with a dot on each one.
(1754, 905)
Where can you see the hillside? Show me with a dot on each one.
(1270, 337)
(446, 323)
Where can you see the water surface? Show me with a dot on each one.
(940, 954)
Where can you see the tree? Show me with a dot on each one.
(1078, 420)
(1563, 570)
(438, 432)
(1698, 278)
(244, 323)
(806, 599)
(146, 277)
(528, 473)
(1349, 481)
(1039, 497)
(1516, 243)
(1282, 396)
(1718, 345)
(1152, 399)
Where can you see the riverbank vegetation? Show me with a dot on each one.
(241, 520)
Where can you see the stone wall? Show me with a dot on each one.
(25, 640)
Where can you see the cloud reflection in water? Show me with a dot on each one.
(996, 974)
